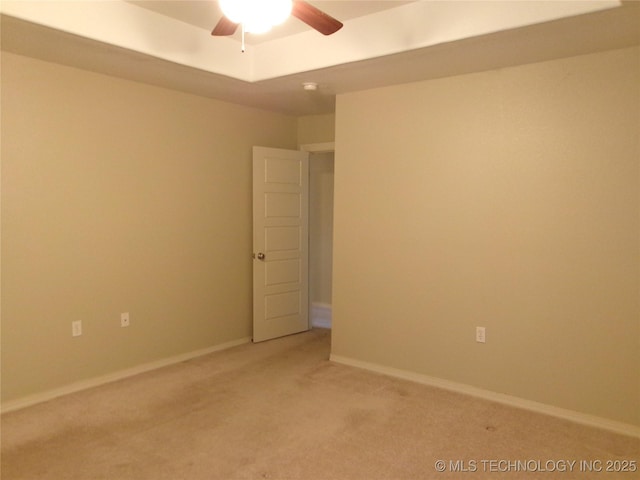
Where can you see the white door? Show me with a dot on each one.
(280, 242)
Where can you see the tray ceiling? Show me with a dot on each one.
(168, 43)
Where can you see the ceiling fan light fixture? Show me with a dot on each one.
(257, 16)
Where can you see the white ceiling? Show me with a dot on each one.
(206, 13)
(168, 43)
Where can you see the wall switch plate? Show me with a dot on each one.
(76, 328)
(124, 319)
(480, 335)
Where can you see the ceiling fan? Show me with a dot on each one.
(233, 16)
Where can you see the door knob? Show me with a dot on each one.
(260, 256)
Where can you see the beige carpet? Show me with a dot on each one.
(281, 410)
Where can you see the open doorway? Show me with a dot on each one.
(292, 278)
(321, 179)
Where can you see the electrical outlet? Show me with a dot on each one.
(76, 328)
(480, 335)
(124, 319)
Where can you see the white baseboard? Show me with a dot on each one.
(112, 377)
(321, 315)
(573, 416)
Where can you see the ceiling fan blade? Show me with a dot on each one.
(315, 18)
(224, 27)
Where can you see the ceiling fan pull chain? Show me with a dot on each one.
(243, 38)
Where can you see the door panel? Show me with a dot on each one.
(282, 305)
(280, 242)
(284, 271)
(282, 205)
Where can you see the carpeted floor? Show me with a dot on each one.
(281, 410)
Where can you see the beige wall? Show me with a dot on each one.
(316, 129)
(120, 197)
(507, 199)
